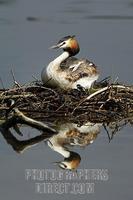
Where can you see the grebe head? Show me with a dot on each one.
(69, 44)
(71, 162)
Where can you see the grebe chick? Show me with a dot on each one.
(66, 71)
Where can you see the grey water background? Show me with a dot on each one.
(104, 29)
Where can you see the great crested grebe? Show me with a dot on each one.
(70, 134)
(66, 71)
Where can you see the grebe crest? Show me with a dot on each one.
(69, 44)
(70, 163)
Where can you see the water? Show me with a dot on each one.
(104, 30)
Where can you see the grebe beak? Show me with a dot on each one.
(56, 163)
(55, 46)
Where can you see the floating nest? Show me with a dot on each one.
(113, 102)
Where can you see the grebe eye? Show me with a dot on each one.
(63, 43)
(64, 165)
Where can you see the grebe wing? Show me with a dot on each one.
(81, 68)
(68, 62)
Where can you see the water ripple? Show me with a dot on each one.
(108, 17)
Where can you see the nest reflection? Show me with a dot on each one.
(63, 138)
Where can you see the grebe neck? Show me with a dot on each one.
(63, 151)
(55, 146)
(57, 61)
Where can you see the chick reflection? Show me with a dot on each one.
(70, 134)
